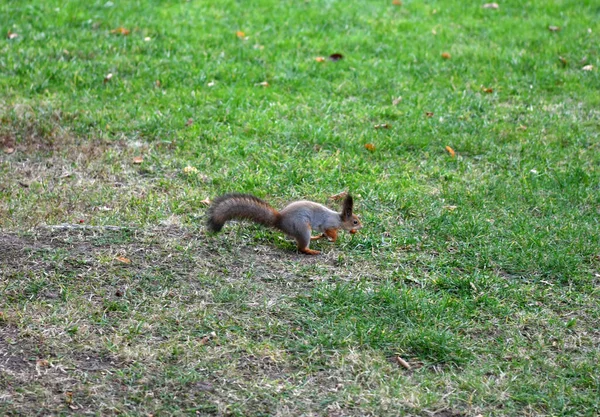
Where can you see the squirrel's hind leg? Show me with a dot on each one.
(303, 240)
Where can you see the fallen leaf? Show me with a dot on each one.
(450, 208)
(336, 57)
(403, 363)
(563, 61)
(339, 196)
(451, 151)
(429, 114)
(382, 126)
(8, 150)
(205, 202)
(320, 59)
(446, 55)
(189, 122)
(370, 147)
(108, 77)
(120, 31)
(190, 170)
(123, 259)
(396, 101)
(487, 90)
(211, 84)
(523, 127)
(491, 6)
(553, 28)
(68, 397)
(157, 83)
(263, 84)
(11, 35)
(397, 2)
(240, 34)
(138, 160)
(42, 363)
(588, 68)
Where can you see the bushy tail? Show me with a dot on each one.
(240, 206)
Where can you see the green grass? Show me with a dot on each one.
(481, 270)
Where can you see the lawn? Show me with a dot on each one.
(468, 135)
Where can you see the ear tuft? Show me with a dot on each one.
(347, 207)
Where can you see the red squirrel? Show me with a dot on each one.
(296, 220)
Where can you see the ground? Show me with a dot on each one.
(468, 136)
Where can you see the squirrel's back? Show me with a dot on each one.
(240, 206)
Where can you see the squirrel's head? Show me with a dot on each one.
(350, 221)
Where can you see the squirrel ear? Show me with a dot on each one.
(347, 207)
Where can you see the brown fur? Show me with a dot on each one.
(240, 206)
(298, 219)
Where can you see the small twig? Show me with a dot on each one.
(403, 363)
(86, 227)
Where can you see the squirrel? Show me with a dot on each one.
(296, 220)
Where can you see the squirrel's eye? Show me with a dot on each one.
(355, 221)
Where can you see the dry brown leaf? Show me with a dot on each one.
(189, 122)
(263, 84)
(382, 126)
(240, 34)
(396, 101)
(320, 59)
(563, 60)
(451, 151)
(446, 55)
(450, 208)
(336, 57)
(338, 196)
(138, 160)
(491, 6)
(123, 259)
(487, 90)
(205, 202)
(397, 2)
(157, 83)
(8, 150)
(553, 28)
(108, 77)
(11, 35)
(588, 68)
(429, 114)
(370, 147)
(42, 363)
(403, 363)
(120, 31)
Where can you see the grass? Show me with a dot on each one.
(481, 270)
